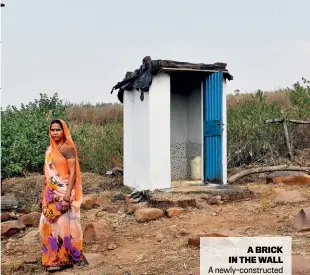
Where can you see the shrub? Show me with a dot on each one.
(24, 134)
(250, 140)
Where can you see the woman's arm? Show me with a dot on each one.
(71, 160)
(72, 177)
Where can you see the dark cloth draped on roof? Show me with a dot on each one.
(141, 79)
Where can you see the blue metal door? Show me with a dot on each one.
(213, 128)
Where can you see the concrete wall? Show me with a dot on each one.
(147, 136)
(159, 95)
(136, 140)
(186, 137)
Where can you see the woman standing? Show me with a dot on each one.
(60, 229)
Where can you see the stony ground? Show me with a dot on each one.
(115, 243)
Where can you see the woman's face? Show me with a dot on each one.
(56, 132)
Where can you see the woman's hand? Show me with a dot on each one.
(65, 206)
(40, 204)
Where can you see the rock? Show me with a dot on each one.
(167, 201)
(30, 258)
(94, 259)
(9, 202)
(174, 211)
(9, 228)
(293, 180)
(289, 197)
(31, 219)
(195, 239)
(89, 233)
(103, 200)
(132, 207)
(87, 202)
(302, 220)
(288, 177)
(148, 214)
(31, 238)
(112, 246)
(300, 265)
(5, 217)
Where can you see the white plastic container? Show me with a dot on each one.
(196, 168)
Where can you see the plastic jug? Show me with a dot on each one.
(196, 168)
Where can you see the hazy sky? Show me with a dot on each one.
(80, 49)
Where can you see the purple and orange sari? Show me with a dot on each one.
(60, 232)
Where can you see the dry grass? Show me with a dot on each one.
(98, 115)
(102, 114)
(279, 96)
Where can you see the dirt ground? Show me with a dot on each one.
(159, 246)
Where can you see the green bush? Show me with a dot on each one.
(300, 99)
(250, 140)
(25, 138)
(24, 134)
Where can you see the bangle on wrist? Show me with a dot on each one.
(65, 199)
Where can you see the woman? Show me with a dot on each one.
(60, 230)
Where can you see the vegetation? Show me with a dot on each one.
(98, 130)
(252, 141)
(24, 135)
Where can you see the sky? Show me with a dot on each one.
(81, 49)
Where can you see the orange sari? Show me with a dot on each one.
(60, 232)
